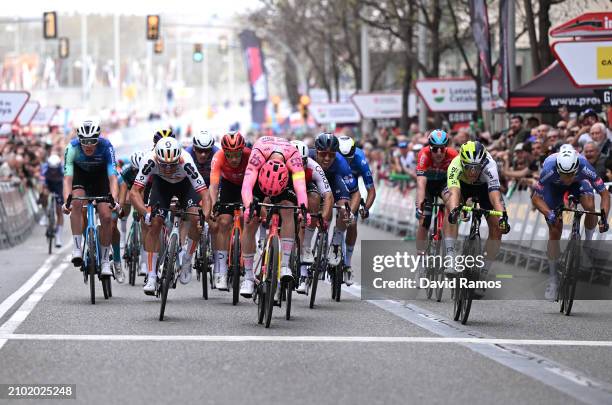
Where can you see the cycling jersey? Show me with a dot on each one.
(203, 168)
(340, 176)
(360, 167)
(128, 175)
(488, 174)
(185, 168)
(432, 171)
(51, 175)
(263, 148)
(551, 189)
(220, 168)
(102, 159)
(315, 173)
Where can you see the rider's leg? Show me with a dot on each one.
(287, 234)
(248, 251)
(224, 224)
(452, 197)
(76, 225)
(590, 221)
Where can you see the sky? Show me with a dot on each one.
(223, 9)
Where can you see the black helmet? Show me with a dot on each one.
(326, 141)
(163, 133)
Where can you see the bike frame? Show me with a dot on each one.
(91, 224)
(237, 225)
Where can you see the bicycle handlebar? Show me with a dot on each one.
(108, 199)
(494, 213)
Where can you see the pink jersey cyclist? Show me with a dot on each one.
(260, 153)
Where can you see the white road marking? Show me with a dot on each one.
(24, 310)
(8, 303)
(563, 378)
(306, 339)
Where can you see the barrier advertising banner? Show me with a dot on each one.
(28, 112)
(383, 105)
(11, 104)
(334, 113)
(445, 95)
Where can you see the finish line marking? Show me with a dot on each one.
(313, 339)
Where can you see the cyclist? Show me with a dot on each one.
(360, 168)
(344, 187)
(267, 175)
(174, 174)
(53, 176)
(567, 171)
(318, 190)
(432, 164)
(163, 133)
(473, 174)
(128, 176)
(87, 158)
(226, 178)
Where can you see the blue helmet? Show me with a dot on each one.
(437, 137)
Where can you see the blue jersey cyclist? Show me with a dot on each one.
(90, 170)
(563, 172)
(360, 168)
(344, 186)
(52, 174)
(202, 151)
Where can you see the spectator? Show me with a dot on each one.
(462, 136)
(552, 137)
(517, 133)
(522, 168)
(562, 128)
(599, 136)
(532, 122)
(403, 159)
(564, 113)
(592, 153)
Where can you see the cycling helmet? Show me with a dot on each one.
(89, 129)
(472, 153)
(567, 161)
(326, 142)
(438, 138)
(346, 146)
(163, 133)
(232, 141)
(54, 161)
(136, 158)
(273, 178)
(203, 140)
(301, 147)
(168, 150)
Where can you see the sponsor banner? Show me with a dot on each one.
(334, 113)
(604, 95)
(585, 25)
(450, 95)
(258, 81)
(390, 270)
(587, 63)
(28, 112)
(552, 104)
(383, 105)
(11, 104)
(43, 116)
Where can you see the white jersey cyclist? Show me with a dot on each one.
(171, 173)
(316, 175)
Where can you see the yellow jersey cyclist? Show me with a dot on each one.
(473, 174)
(174, 174)
(90, 170)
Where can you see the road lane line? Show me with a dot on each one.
(8, 303)
(29, 304)
(306, 339)
(565, 379)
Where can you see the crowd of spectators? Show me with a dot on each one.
(520, 150)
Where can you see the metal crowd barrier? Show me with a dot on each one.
(525, 245)
(18, 214)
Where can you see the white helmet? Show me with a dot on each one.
(203, 140)
(54, 161)
(136, 158)
(346, 146)
(301, 147)
(567, 161)
(89, 129)
(168, 150)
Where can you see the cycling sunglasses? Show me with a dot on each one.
(438, 149)
(167, 165)
(233, 154)
(89, 141)
(473, 167)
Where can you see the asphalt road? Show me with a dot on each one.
(354, 351)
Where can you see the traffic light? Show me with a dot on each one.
(304, 102)
(152, 27)
(50, 25)
(64, 47)
(158, 47)
(198, 56)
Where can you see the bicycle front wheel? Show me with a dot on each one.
(235, 266)
(570, 280)
(91, 264)
(273, 266)
(167, 277)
